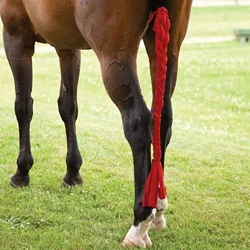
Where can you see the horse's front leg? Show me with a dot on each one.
(19, 47)
(67, 104)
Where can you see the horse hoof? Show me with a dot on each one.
(159, 223)
(139, 243)
(147, 240)
(127, 243)
(72, 181)
(19, 181)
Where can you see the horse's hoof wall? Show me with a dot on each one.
(159, 224)
(139, 243)
(147, 240)
(127, 243)
(72, 182)
(17, 181)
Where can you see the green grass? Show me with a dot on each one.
(218, 21)
(208, 163)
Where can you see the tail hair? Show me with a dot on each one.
(158, 3)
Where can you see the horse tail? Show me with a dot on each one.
(155, 4)
(154, 186)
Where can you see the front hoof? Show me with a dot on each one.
(69, 181)
(19, 181)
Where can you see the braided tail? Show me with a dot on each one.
(155, 187)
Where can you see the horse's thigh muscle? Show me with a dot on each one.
(111, 27)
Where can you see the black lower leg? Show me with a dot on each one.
(67, 103)
(23, 110)
(19, 50)
(137, 125)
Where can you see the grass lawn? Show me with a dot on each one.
(208, 163)
(218, 21)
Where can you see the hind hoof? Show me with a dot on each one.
(137, 236)
(139, 243)
(159, 223)
(147, 240)
(19, 181)
(72, 181)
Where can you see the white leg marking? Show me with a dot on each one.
(138, 235)
(159, 222)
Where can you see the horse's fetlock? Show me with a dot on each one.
(159, 222)
(25, 161)
(142, 213)
(162, 205)
(74, 161)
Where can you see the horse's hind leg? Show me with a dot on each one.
(19, 46)
(115, 38)
(122, 85)
(179, 12)
(67, 104)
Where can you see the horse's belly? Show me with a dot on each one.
(55, 22)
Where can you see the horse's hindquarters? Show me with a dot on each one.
(111, 26)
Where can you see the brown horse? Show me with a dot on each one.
(113, 29)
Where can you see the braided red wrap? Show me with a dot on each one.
(155, 187)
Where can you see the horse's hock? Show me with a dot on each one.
(242, 35)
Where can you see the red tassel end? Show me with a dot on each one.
(154, 187)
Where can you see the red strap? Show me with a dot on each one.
(154, 186)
